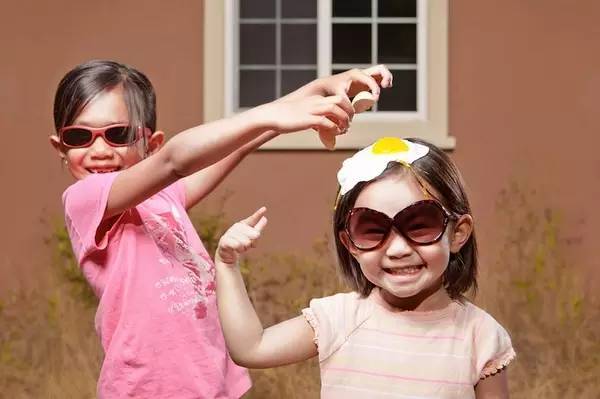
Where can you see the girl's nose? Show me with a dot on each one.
(397, 246)
(100, 149)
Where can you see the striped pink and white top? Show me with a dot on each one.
(368, 351)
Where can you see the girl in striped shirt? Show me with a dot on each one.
(406, 245)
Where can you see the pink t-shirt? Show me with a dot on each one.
(368, 351)
(157, 317)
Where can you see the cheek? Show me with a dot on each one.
(130, 155)
(75, 155)
(437, 255)
(370, 262)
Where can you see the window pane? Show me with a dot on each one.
(403, 95)
(351, 8)
(351, 43)
(291, 80)
(299, 8)
(257, 43)
(397, 8)
(256, 87)
(257, 8)
(299, 43)
(397, 43)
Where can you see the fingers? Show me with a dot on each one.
(359, 79)
(381, 74)
(332, 108)
(261, 224)
(253, 219)
(241, 237)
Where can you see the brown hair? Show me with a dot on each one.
(436, 170)
(84, 82)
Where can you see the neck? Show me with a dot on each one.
(432, 298)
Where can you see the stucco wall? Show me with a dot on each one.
(524, 99)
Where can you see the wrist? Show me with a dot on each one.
(260, 118)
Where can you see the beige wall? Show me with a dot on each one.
(524, 100)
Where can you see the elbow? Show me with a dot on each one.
(175, 161)
(242, 359)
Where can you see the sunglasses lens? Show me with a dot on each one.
(120, 135)
(422, 223)
(367, 228)
(76, 137)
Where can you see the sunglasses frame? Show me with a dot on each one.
(447, 217)
(101, 131)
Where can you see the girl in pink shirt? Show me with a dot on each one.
(126, 217)
(405, 244)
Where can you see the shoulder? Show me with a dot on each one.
(480, 320)
(89, 187)
(492, 345)
(334, 318)
(343, 303)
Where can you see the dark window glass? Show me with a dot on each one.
(397, 8)
(351, 8)
(299, 8)
(257, 43)
(397, 43)
(256, 87)
(257, 8)
(403, 95)
(298, 43)
(351, 43)
(291, 80)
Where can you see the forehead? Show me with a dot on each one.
(392, 193)
(107, 108)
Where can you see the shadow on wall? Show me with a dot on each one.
(48, 347)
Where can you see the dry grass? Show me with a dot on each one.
(541, 299)
(48, 348)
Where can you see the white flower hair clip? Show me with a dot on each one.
(371, 161)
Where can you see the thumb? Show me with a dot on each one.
(261, 224)
(253, 219)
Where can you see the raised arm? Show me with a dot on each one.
(201, 146)
(343, 85)
(203, 182)
(249, 344)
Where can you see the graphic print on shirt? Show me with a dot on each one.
(182, 292)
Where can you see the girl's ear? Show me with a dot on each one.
(55, 142)
(155, 141)
(346, 241)
(463, 228)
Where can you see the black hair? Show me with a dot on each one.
(439, 172)
(84, 82)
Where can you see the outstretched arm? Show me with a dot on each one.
(200, 184)
(249, 344)
(345, 84)
(202, 146)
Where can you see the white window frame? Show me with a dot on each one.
(430, 122)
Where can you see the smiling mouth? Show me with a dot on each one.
(107, 170)
(403, 271)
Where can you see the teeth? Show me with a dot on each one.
(404, 270)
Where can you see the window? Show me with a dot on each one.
(270, 47)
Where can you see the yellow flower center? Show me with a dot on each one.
(389, 145)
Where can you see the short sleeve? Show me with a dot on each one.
(84, 203)
(176, 192)
(333, 319)
(493, 347)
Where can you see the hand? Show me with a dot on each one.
(329, 115)
(351, 82)
(240, 237)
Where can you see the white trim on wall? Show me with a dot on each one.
(430, 122)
